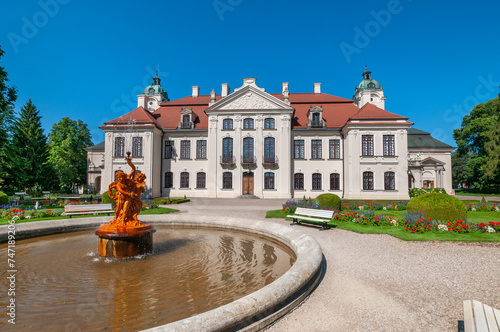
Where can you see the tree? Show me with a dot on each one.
(67, 141)
(27, 152)
(478, 142)
(8, 95)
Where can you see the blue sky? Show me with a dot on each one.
(89, 59)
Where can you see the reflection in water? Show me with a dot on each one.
(63, 284)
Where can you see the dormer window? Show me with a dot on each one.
(187, 118)
(315, 117)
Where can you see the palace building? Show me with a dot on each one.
(251, 143)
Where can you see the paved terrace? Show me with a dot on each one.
(378, 282)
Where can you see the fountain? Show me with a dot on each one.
(125, 235)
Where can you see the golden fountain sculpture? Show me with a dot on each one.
(125, 235)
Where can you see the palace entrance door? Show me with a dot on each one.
(247, 183)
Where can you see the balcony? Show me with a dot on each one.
(248, 161)
(270, 161)
(317, 124)
(186, 125)
(227, 161)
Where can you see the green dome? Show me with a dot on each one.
(368, 83)
(155, 88)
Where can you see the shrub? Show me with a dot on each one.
(437, 206)
(328, 201)
(34, 193)
(4, 199)
(415, 192)
(106, 199)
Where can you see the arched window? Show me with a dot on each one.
(316, 181)
(227, 124)
(298, 181)
(248, 123)
(367, 180)
(227, 180)
(201, 181)
(389, 181)
(269, 150)
(269, 180)
(169, 179)
(334, 181)
(269, 123)
(248, 150)
(184, 180)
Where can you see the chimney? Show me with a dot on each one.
(225, 90)
(196, 91)
(284, 86)
(317, 87)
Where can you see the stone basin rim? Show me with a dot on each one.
(250, 313)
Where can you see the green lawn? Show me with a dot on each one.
(478, 192)
(159, 210)
(401, 233)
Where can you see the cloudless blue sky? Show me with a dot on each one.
(89, 59)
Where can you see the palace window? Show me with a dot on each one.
(316, 181)
(169, 179)
(269, 146)
(119, 146)
(316, 149)
(298, 149)
(334, 149)
(248, 124)
(269, 180)
(185, 149)
(389, 149)
(334, 181)
(227, 147)
(201, 180)
(367, 180)
(169, 149)
(248, 149)
(269, 123)
(367, 145)
(298, 181)
(184, 180)
(389, 181)
(227, 124)
(201, 149)
(136, 147)
(227, 180)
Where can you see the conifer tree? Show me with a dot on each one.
(27, 152)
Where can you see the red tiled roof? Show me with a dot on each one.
(335, 115)
(169, 116)
(372, 112)
(337, 112)
(139, 116)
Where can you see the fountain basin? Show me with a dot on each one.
(252, 312)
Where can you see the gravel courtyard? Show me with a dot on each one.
(378, 282)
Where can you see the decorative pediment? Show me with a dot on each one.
(249, 97)
(432, 162)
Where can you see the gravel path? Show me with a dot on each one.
(378, 282)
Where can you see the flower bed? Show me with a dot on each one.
(363, 213)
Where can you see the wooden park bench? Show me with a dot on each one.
(479, 317)
(307, 215)
(22, 193)
(70, 210)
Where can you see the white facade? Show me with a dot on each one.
(252, 143)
